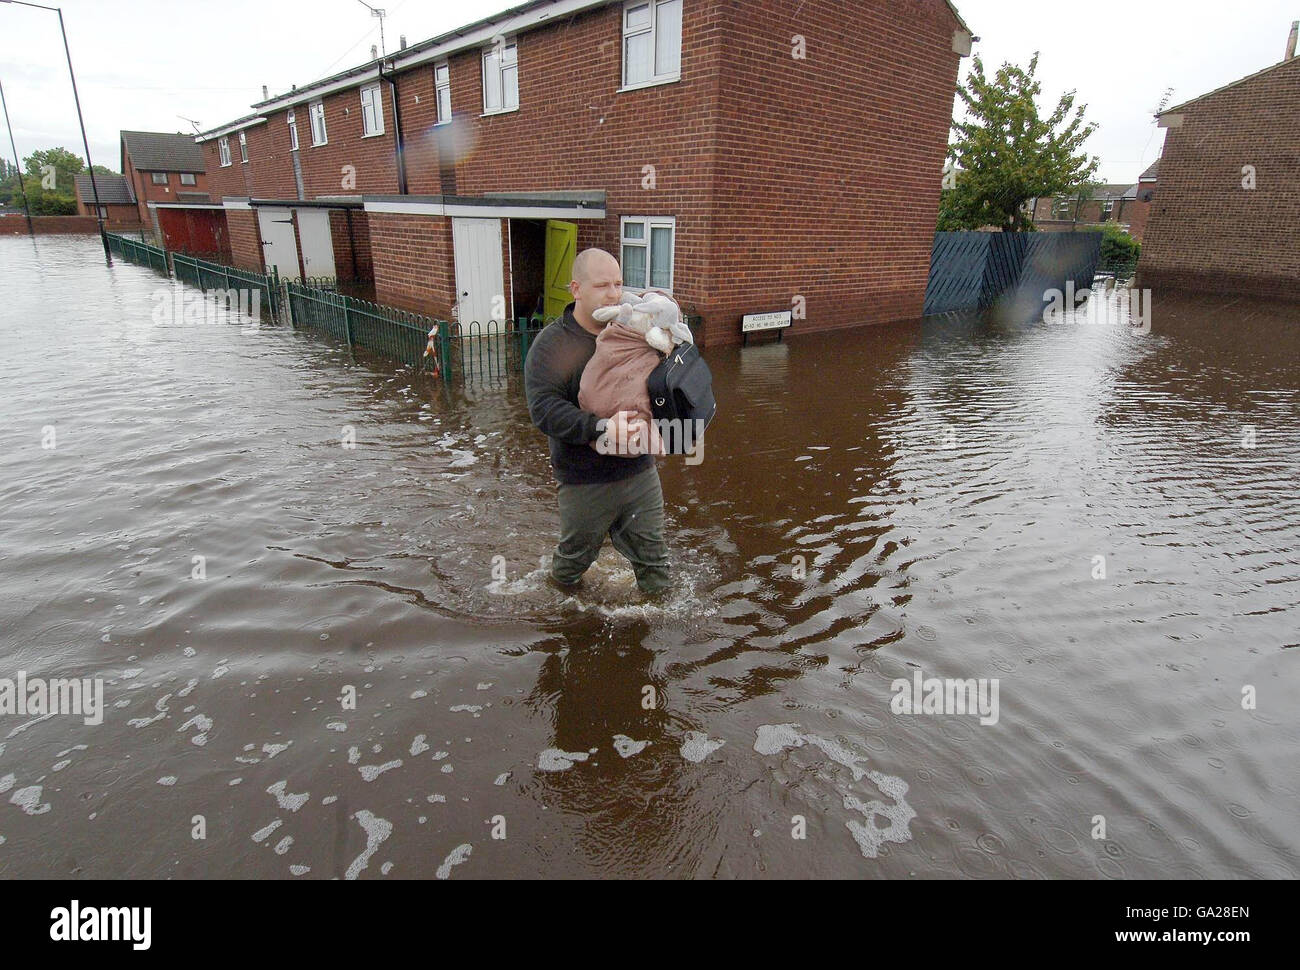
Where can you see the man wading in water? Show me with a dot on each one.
(608, 484)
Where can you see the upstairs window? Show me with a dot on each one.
(223, 150)
(187, 178)
(243, 148)
(159, 178)
(1062, 207)
(500, 79)
(652, 42)
(442, 87)
(372, 111)
(317, 112)
(293, 133)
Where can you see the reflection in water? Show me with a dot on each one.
(1104, 521)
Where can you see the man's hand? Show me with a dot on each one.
(626, 436)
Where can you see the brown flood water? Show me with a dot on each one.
(948, 484)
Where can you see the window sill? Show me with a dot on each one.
(226, 164)
(656, 82)
(503, 111)
(443, 124)
(375, 134)
(319, 144)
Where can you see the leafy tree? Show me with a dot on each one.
(1005, 154)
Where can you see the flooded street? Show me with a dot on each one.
(1073, 511)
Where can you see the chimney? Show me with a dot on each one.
(401, 42)
(1290, 41)
(374, 52)
(266, 95)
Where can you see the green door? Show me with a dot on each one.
(561, 247)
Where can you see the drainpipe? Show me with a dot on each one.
(399, 147)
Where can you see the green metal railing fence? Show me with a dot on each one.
(138, 252)
(473, 352)
(214, 276)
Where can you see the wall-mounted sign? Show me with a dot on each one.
(764, 321)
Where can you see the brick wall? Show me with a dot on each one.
(17, 225)
(413, 262)
(124, 216)
(1208, 233)
(245, 240)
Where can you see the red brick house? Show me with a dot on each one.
(745, 156)
(1106, 203)
(163, 168)
(117, 204)
(1225, 218)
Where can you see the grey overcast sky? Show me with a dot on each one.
(143, 64)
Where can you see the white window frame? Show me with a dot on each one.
(494, 77)
(1107, 209)
(316, 111)
(190, 176)
(372, 108)
(153, 177)
(649, 223)
(1064, 205)
(223, 151)
(438, 88)
(293, 131)
(243, 149)
(667, 77)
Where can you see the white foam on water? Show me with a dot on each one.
(160, 705)
(371, 772)
(247, 761)
(233, 782)
(470, 708)
(416, 695)
(699, 746)
(283, 845)
(502, 778)
(354, 755)
(189, 652)
(454, 858)
(386, 868)
(263, 833)
(220, 671)
(285, 800)
(435, 797)
(418, 746)
(487, 686)
(377, 831)
(132, 673)
(772, 739)
(439, 755)
(336, 726)
(271, 750)
(2, 840)
(167, 780)
(29, 800)
(329, 799)
(203, 723)
(553, 759)
(300, 870)
(60, 765)
(62, 754)
(189, 686)
(626, 747)
(6, 783)
(447, 769)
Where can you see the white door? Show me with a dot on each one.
(279, 244)
(316, 241)
(480, 290)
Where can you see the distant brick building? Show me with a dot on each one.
(1226, 215)
(745, 157)
(165, 169)
(1106, 203)
(117, 205)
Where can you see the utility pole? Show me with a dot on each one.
(31, 230)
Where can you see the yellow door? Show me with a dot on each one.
(561, 247)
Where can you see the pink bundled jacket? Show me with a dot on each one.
(615, 378)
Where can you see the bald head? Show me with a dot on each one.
(591, 264)
(597, 282)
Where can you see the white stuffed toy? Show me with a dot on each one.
(653, 315)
